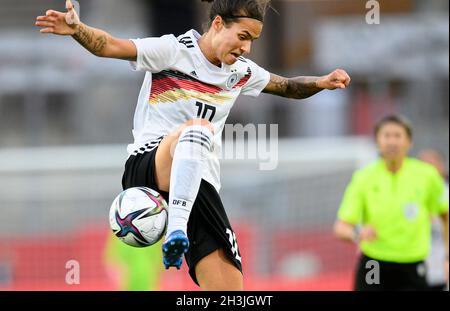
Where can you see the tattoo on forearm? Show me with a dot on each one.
(87, 39)
(84, 36)
(99, 43)
(298, 88)
(277, 85)
(302, 87)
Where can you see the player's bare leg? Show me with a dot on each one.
(179, 162)
(216, 272)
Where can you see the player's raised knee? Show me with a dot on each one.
(200, 122)
(199, 132)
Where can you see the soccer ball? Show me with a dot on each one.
(138, 216)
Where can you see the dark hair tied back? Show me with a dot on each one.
(230, 10)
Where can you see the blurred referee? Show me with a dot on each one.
(386, 209)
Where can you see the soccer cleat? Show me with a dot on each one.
(174, 248)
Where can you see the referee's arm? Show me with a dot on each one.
(348, 225)
(438, 202)
(444, 218)
(345, 231)
(353, 233)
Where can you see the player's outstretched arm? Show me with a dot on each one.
(96, 41)
(304, 87)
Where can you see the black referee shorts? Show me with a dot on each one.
(208, 227)
(391, 276)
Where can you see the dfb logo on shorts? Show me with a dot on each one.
(234, 245)
(179, 202)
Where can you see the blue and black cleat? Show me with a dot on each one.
(174, 248)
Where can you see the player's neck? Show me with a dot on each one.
(206, 47)
(394, 165)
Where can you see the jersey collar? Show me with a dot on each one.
(383, 165)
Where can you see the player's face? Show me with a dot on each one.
(235, 39)
(393, 141)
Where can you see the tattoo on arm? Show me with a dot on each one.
(87, 38)
(298, 87)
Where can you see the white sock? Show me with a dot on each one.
(189, 159)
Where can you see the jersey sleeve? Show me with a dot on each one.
(155, 54)
(438, 195)
(352, 205)
(258, 80)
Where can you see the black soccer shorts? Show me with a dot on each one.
(208, 227)
(392, 276)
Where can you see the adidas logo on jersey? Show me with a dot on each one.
(187, 41)
(193, 73)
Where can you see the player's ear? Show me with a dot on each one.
(217, 23)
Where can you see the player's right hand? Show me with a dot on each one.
(59, 23)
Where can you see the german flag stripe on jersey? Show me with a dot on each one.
(169, 86)
(244, 79)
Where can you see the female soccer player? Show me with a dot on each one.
(190, 86)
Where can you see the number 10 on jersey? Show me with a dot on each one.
(203, 110)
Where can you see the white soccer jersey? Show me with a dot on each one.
(181, 84)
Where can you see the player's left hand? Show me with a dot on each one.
(338, 79)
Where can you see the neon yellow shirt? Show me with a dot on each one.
(141, 267)
(398, 206)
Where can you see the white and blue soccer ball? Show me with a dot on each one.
(138, 216)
